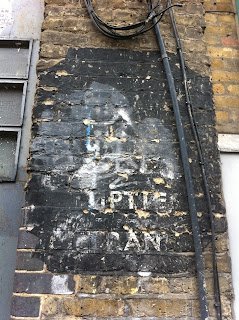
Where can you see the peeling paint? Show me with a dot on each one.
(48, 102)
(116, 190)
(59, 285)
(142, 214)
(61, 73)
(159, 180)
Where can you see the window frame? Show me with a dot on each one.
(17, 79)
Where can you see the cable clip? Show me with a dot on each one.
(164, 56)
(150, 17)
(217, 304)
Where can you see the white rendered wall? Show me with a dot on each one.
(230, 179)
(21, 18)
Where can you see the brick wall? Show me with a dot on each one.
(106, 231)
(223, 48)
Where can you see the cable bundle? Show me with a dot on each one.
(128, 31)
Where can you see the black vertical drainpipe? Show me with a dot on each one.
(187, 172)
(201, 161)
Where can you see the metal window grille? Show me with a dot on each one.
(15, 57)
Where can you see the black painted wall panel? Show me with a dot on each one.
(107, 190)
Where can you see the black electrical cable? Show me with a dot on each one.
(187, 173)
(111, 31)
(201, 159)
(138, 28)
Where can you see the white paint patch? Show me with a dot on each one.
(144, 274)
(62, 233)
(228, 142)
(59, 285)
(80, 241)
(117, 183)
(125, 115)
(31, 207)
(87, 175)
(169, 172)
(155, 241)
(132, 242)
(46, 181)
(93, 147)
(115, 234)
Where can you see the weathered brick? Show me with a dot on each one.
(228, 127)
(197, 46)
(226, 102)
(226, 18)
(51, 306)
(121, 284)
(62, 2)
(30, 261)
(43, 283)
(212, 39)
(216, 63)
(225, 52)
(25, 307)
(222, 116)
(125, 286)
(223, 262)
(222, 242)
(224, 284)
(222, 30)
(63, 38)
(154, 285)
(211, 18)
(27, 240)
(158, 308)
(218, 7)
(75, 24)
(234, 115)
(226, 308)
(231, 64)
(184, 285)
(53, 23)
(45, 64)
(233, 89)
(62, 11)
(225, 76)
(93, 307)
(89, 284)
(53, 51)
(230, 42)
(193, 21)
(218, 88)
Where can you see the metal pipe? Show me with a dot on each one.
(201, 161)
(187, 173)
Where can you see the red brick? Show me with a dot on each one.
(230, 42)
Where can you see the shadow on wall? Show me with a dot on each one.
(21, 18)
